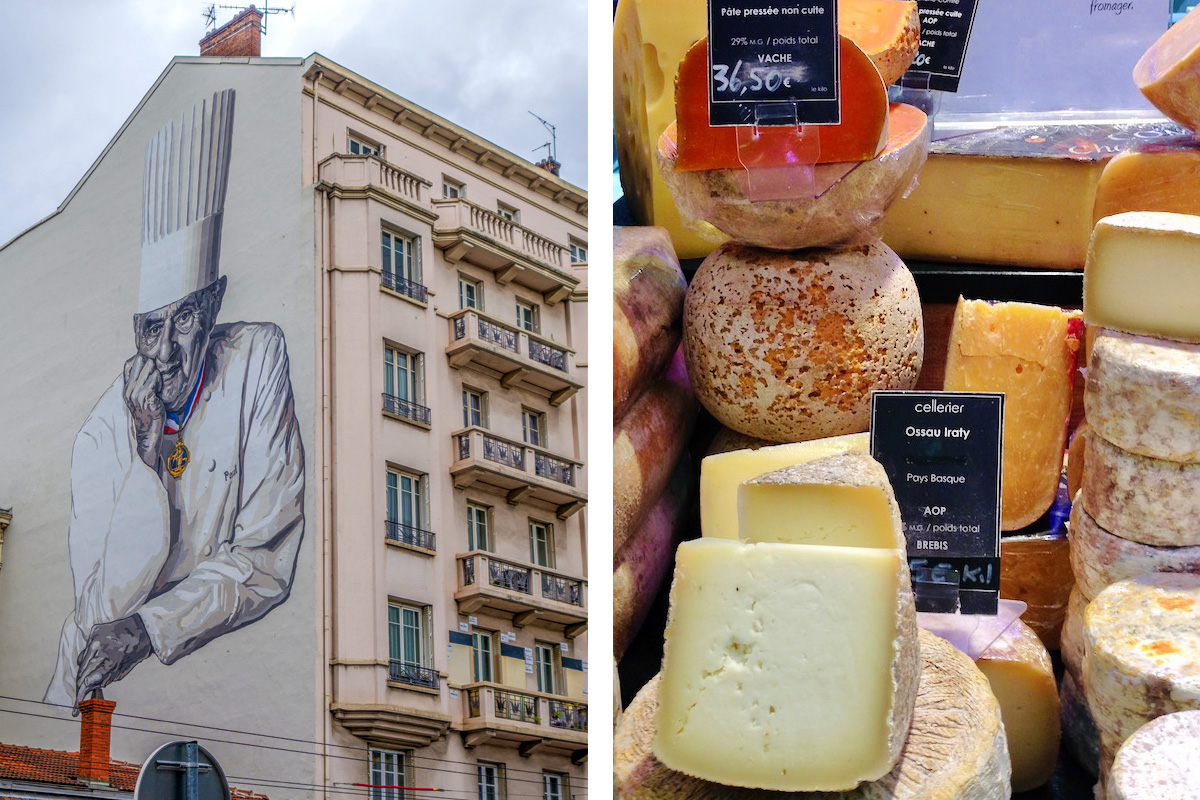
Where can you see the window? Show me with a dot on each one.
(478, 526)
(452, 189)
(527, 316)
(388, 770)
(474, 408)
(554, 786)
(409, 649)
(533, 427)
(402, 264)
(509, 213)
(578, 252)
(470, 293)
(546, 660)
(481, 655)
(404, 384)
(406, 510)
(541, 544)
(491, 778)
(360, 147)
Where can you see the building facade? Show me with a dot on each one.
(387, 430)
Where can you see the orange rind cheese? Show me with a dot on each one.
(1168, 73)
(888, 31)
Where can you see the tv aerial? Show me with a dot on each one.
(552, 145)
(210, 13)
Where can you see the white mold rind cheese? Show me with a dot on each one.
(1079, 729)
(1159, 762)
(1147, 500)
(1099, 558)
(1142, 658)
(1143, 395)
(1072, 643)
(955, 748)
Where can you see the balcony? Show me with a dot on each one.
(400, 408)
(410, 537)
(518, 471)
(413, 674)
(515, 356)
(529, 721)
(399, 285)
(511, 251)
(528, 592)
(363, 177)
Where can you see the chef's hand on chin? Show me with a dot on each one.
(143, 387)
(112, 650)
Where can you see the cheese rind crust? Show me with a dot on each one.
(1143, 395)
(1079, 729)
(955, 748)
(1072, 635)
(1037, 571)
(1159, 762)
(1099, 558)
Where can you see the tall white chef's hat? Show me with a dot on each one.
(183, 195)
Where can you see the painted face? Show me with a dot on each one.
(175, 337)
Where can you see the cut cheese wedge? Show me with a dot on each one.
(859, 136)
(955, 749)
(1162, 176)
(1168, 73)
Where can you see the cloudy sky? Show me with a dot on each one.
(77, 68)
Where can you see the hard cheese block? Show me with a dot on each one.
(1143, 274)
(955, 749)
(1147, 500)
(1018, 667)
(722, 473)
(1161, 176)
(1037, 570)
(1143, 654)
(1028, 352)
(1143, 394)
(843, 500)
(1078, 728)
(1159, 761)
(787, 667)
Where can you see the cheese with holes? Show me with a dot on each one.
(1146, 500)
(1143, 394)
(1168, 73)
(1142, 654)
(842, 500)
(1028, 352)
(1037, 570)
(1159, 761)
(1143, 274)
(721, 474)
(1018, 668)
(1099, 558)
(1161, 176)
(1078, 728)
(1072, 634)
(807, 655)
(955, 748)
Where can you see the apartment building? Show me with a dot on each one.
(393, 595)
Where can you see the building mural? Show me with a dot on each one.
(187, 478)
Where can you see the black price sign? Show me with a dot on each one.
(773, 63)
(941, 451)
(945, 29)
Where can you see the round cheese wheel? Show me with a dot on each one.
(1147, 500)
(789, 346)
(1099, 558)
(1078, 728)
(1037, 570)
(1076, 458)
(726, 441)
(1143, 395)
(1072, 635)
(1159, 761)
(955, 748)
(833, 203)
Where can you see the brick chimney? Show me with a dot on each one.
(240, 37)
(550, 165)
(94, 736)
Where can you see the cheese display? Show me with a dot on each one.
(721, 475)
(789, 346)
(888, 32)
(955, 749)
(1018, 668)
(1146, 500)
(1036, 569)
(801, 649)
(1028, 352)
(1072, 634)
(1159, 762)
(648, 290)
(1161, 176)
(1099, 558)
(1143, 395)
(1078, 728)
(726, 441)
(1143, 274)
(1169, 72)
(835, 203)
(1142, 654)
(843, 500)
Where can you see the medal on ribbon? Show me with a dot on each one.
(177, 461)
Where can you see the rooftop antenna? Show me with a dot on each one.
(210, 14)
(553, 143)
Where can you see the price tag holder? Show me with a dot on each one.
(942, 453)
(773, 63)
(945, 31)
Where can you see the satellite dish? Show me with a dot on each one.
(181, 771)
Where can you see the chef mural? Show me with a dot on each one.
(187, 478)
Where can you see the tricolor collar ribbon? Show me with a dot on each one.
(173, 423)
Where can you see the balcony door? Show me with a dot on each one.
(544, 665)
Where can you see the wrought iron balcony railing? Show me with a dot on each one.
(564, 590)
(407, 409)
(412, 674)
(407, 534)
(568, 715)
(404, 286)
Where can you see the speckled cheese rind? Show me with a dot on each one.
(1143, 395)
(789, 346)
(1072, 635)
(1037, 571)
(955, 748)
(1079, 729)
(1147, 500)
(1159, 761)
(1099, 559)
(1142, 654)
